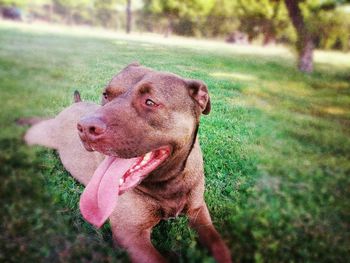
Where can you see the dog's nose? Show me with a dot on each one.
(91, 127)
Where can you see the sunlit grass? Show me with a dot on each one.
(151, 40)
(233, 76)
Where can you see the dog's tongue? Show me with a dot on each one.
(100, 195)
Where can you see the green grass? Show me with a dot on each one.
(276, 147)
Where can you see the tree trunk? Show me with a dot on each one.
(269, 35)
(305, 44)
(128, 16)
(306, 55)
(70, 16)
(269, 39)
(169, 27)
(50, 6)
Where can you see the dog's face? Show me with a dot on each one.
(144, 110)
(147, 118)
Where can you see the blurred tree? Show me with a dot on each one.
(266, 17)
(128, 16)
(70, 8)
(17, 3)
(179, 14)
(104, 13)
(97, 12)
(305, 16)
(306, 24)
(127, 6)
(40, 8)
(305, 44)
(221, 19)
(107, 11)
(329, 25)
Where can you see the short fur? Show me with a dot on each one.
(128, 128)
(174, 188)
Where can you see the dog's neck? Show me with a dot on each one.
(170, 176)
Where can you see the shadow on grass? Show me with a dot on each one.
(35, 225)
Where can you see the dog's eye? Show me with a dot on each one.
(150, 103)
(105, 95)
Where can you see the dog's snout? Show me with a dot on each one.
(91, 127)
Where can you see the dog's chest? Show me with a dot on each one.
(173, 207)
(170, 197)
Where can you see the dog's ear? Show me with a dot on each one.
(77, 97)
(199, 92)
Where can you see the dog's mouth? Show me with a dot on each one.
(113, 177)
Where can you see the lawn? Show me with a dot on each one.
(276, 147)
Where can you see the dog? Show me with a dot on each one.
(147, 128)
(154, 162)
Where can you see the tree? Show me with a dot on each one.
(263, 17)
(305, 44)
(105, 13)
(127, 6)
(221, 19)
(17, 3)
(333, 29)
(69, 8)
(180, 14)
(128, 16)
(299, 11)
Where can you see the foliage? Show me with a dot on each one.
(183, 17)
(328, 23)
(262, 21)
(221, 19)
(178, 8)
(266, 17)
(275, 146)
(18, 3)
(73, 4)
(105, 12)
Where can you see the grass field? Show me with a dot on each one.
(276, 147)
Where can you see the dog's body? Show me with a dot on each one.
(149, 113)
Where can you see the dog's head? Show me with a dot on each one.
(143, 110)
(147, 117)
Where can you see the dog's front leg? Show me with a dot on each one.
(138, 245)
(131, 223)
(201, 222)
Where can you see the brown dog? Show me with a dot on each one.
(148, 128)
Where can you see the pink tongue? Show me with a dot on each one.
(100, 195)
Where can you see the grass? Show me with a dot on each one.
(276, 147)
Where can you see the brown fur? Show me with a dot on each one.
(128, 128)
(174, 188)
